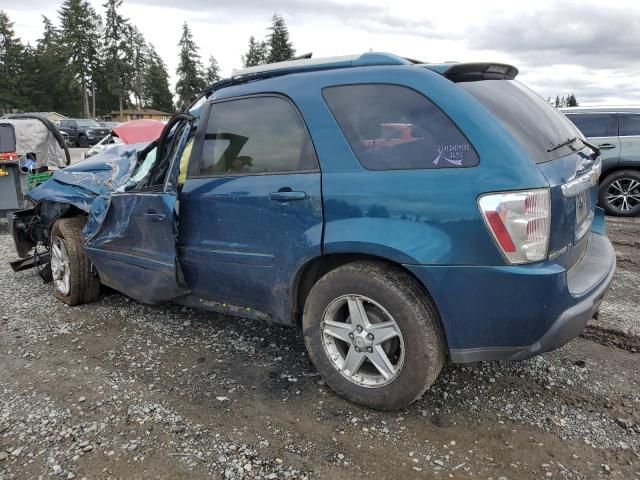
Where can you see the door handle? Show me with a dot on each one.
(606, 146)
(154, 216)
(286, 196)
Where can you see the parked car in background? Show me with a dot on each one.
(616, 132)
(83, 132)
(135, 131)
(400, 213)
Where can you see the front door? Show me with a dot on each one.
(133, 243)
(250, 209)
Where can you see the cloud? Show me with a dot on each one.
(367, 17)
(593, 35)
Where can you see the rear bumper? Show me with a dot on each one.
(516, 312)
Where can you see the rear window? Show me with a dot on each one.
(629, 124)
(536, 125)
(390, 127)
(596, 124)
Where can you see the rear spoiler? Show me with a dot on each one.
(471, 72)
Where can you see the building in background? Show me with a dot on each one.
(53, 116)
(137, 114)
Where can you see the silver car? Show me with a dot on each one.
(616, 132)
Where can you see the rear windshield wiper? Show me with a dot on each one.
(563, 144)
(595, 149)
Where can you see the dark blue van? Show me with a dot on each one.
(400, 213)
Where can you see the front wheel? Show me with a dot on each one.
(83, 142)
(73, 281)
(619, 193)
(373, 334)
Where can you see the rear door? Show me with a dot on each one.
(134, 244)
(602, 130)
(250, 209)
(630, 139)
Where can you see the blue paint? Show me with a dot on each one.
(249, 246)
(235, 243)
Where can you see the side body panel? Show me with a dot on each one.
(236, 245)
(134, 248)
(414, 217)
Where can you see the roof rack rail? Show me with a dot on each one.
(306, 64)
(311, 64)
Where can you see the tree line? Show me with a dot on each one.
(561, 102)
(90, 65)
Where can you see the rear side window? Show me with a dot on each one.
(256, 135)
(532, 122)
(596, 124)
(390, 127)
(629, 124)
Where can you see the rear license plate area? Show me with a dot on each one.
(584, 214)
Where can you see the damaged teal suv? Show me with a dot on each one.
(400, 213)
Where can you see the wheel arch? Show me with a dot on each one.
(618, 168)
(309, 273)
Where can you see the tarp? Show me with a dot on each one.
(137, 131)
(32, 136)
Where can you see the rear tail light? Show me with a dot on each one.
(519, 222)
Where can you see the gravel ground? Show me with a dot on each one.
(116, 389)
(620, 311)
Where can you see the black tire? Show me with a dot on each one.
(611, 184)
(414, 313)
(83, 142)
(84, 286)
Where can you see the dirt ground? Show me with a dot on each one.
(121, 390)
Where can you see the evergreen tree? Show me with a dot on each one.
(118, 53)
(563, 102)
(156, 84)
(12, 56)
(190, 77)
(558, 104)
(257, 53)
(571, 101)
(212, 74)
(280, 48)
(139, 63)
(50, 82)
(80, 37)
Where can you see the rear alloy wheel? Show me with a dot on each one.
(373, 334)
(620, 193)
(362, 341)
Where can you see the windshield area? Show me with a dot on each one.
(161, 161)
(544, 132)
(88, 124)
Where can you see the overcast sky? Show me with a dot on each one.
(590, 48)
